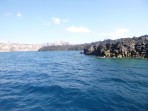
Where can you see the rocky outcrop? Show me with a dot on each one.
(136, 47)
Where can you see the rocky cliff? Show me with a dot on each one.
(136, 47)
(11, 47)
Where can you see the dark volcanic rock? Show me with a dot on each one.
(146, 50)
(136, 47)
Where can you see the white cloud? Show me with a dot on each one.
(19, 14)
(8, 14)
(57, 20)
(118, 33)
(78, 29)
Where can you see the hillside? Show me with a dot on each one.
(62, 47)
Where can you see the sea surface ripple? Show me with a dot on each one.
(70, 81)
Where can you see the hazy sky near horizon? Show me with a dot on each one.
(74, 21)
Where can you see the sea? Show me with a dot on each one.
(70, 81)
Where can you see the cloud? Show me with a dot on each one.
(8, 14)
(57, 20)
(118, 33)
(19, 14)
(78, 29)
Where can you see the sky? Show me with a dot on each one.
(73, 21)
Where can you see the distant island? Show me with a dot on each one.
(69, 47)
(13, 47)
(136, 47)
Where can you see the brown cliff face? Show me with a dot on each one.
(136, 47)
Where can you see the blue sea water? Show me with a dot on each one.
(70, 81)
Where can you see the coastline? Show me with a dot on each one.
(136, 47)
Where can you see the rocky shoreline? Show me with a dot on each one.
(136, 47)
